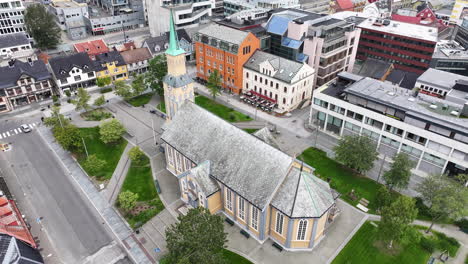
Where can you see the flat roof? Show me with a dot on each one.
(440, 78)
(68, 4)
(403, 29)
(401, 98)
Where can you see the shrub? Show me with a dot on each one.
(68, 93)
(136, 155)
(462, 224)
(54, 98)
(93, 164)
(127, 200)
(428, 244)
(106, 90)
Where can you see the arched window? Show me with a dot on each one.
(279, 223)
(301, 230)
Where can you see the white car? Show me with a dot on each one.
(25, 128)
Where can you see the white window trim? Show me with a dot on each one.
(278, 216)
(228, 201)
(241, 212)
(304, 229)
(253, 218)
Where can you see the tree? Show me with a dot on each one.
(383, 198)
(69, 137)
(356, 152)
(82, 99)
(157, 69)
(93, 164)
(127, 200)
(396, 219)
(198, 237)
(56, 119)
(103, 81)
(400, 171)
(41, 25)
(138, 85)
(214, 84)
(122, 89)
(136, 155)
(444, 197)
(111, 131)
(100, 101)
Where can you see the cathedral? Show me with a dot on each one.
(250, 181)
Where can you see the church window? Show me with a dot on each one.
(179, 161)
(301, 230)
(241, 208)
(201, 200)
(254, 218)
(229, 199)
(170, 156)
(279, 223)
(188, 164)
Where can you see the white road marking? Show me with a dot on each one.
(30, 126)
(8, 133)
(34, 124)
(1, 136)
(16, 131)
(4, 135)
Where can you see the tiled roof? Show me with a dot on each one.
(286, 69)
(63, 65)
(247, 165)
(12, 40)
(11, 222)
(303, 195)
(9, 75)
(224, 33)
(136, 55)
(93, 47)
(345, 4)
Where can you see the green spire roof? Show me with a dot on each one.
(174, 48)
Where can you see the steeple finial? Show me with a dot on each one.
(174, 48)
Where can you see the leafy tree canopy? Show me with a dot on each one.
(93, 164)
(214, 84)
(122, 89)
(400, 171)
(111, 131)
(157, 69)
(356, 152)
(41, 25)
(82, 100)
(127, 200)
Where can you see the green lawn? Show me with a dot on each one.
(342, 179)
(140, 100)
(220, 110)
(139, 180)
(162, 107)
(229, 256)
(250, 130)
(109, 152)
(361, 249)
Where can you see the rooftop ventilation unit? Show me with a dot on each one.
(411, 99)
(433, 106)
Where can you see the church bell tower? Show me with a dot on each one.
(178, 86)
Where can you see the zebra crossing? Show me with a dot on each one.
(16, 131)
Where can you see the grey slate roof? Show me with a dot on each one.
(374, 68)
(9, 75)
(224, 33)
(160, 41)
(441, 79)
(202, 175)
(13, 250)
(286, 69)
(177, 81)
(12, 40)
(63, 65)
(302, 195)
(265, 136)
(107, 57)
(247, 165)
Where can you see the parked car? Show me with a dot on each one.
(25, 128)
(4, 147)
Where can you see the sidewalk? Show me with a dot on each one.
(118, 177)
(118, 226)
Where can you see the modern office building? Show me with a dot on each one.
(226, 50)
(107, 16)
(11, 17)
(187, 13)
(431, 129)
(70, 16)
(316, 6)
(408, 46)
(451, 57)
(327, 44)
(287, 83)
(234, 6)
(460, 33)
(459, 12)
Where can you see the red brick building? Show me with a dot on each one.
(226, 50)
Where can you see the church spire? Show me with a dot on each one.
(174, 48)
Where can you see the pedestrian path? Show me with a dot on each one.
(16, 131)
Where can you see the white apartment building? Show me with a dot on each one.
(431, 130)
(286, 82)
(73, 71)
(15, 47)
(70, 16)
(186, 13)
(11, 17)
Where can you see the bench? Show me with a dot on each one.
(364, 202)
(245, 233)
(229, 221)
(277, 246)
(363, 208)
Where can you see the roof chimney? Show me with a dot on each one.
(11, 63)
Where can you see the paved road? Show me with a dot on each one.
(68, 219)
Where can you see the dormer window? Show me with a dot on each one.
(85, 67)
(63, 72)
(86, 49)
(166, 46)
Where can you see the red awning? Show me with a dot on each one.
(262, 96)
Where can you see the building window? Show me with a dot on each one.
(254, 218)
(247, 75)
(229, 199)
(301, 231)
(241, 208)
(279, 223)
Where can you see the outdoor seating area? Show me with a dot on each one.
(257, 100)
